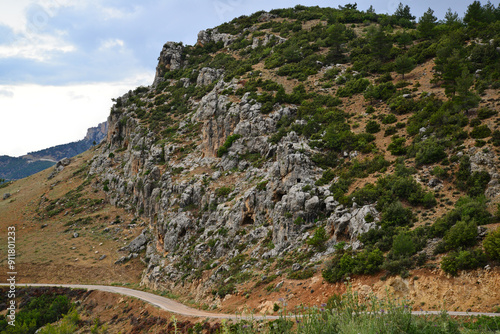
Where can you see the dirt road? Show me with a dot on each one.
(176, 307)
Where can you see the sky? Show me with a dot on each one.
(62, 61)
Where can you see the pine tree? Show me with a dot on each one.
(404, 64)
(465, 98)
(380, 43)
(427, 24)
(404, 39)
(451, 19)
(449, 66)
(336, 38)
(403, 12)
(474, 13)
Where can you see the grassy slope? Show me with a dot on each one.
(51, 254)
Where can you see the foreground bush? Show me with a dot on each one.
(463, 260)
(492, 245)
(353, 314)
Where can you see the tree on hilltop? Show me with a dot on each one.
(427, 24)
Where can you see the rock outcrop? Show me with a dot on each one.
(170, 59)
(213, 35)
(240, 207)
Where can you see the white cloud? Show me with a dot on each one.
(117, 13)
(6, 93)
(13, 14)
(35, 46)
(43, 116)
(111, 43)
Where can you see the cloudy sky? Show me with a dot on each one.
(61, 61)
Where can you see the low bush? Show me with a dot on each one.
(222, 191)
(302, 274)
(480, 132)
(463, 260)
(466, 209)
(462, 234)
(474, 184)
(35, 312)
(427, 152)
(227, 144)
(346, 262)
(372, 127)
(397, 146)
(353, 86)
(318, 239)
(383, 92)
(491, 245)
(389, 119)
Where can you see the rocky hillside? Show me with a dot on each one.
(13, 168)
(312, 141)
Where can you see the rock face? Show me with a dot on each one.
(213, 35)
(170, 59)
(97, 134)
(208, 75)
(486, 161)
(258, 199)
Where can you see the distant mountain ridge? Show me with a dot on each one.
(12, 168)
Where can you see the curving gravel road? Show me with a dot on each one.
(176, 307)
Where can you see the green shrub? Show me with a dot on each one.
(227, 144)
(397, 146)
(262, 185)
(327, 177)
(495, 138)
(477, 183)
(368, 262)
(340, 266)
(390, 188)
(428, 151)
(463, 260)
(401, 105)
(462, 234)
(302, 274)
(473, 183)
(480, 132)
(466, 209)
(382, 92)
(484, 113)
(491, 245)
(439, 172)
(36, 312)
(398, 265)
(389, 119)
(318, 239)
(396, 214)
(223, 191)
(353, 86)
(402, 245)
(372, 127)
(225, 289)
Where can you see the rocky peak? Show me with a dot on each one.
(170, 59)
(97, 134)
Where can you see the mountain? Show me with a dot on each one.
(288, 142)
(93, 137)
(291, 151)
(12, 168)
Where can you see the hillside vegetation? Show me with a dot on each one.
(314, 143)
